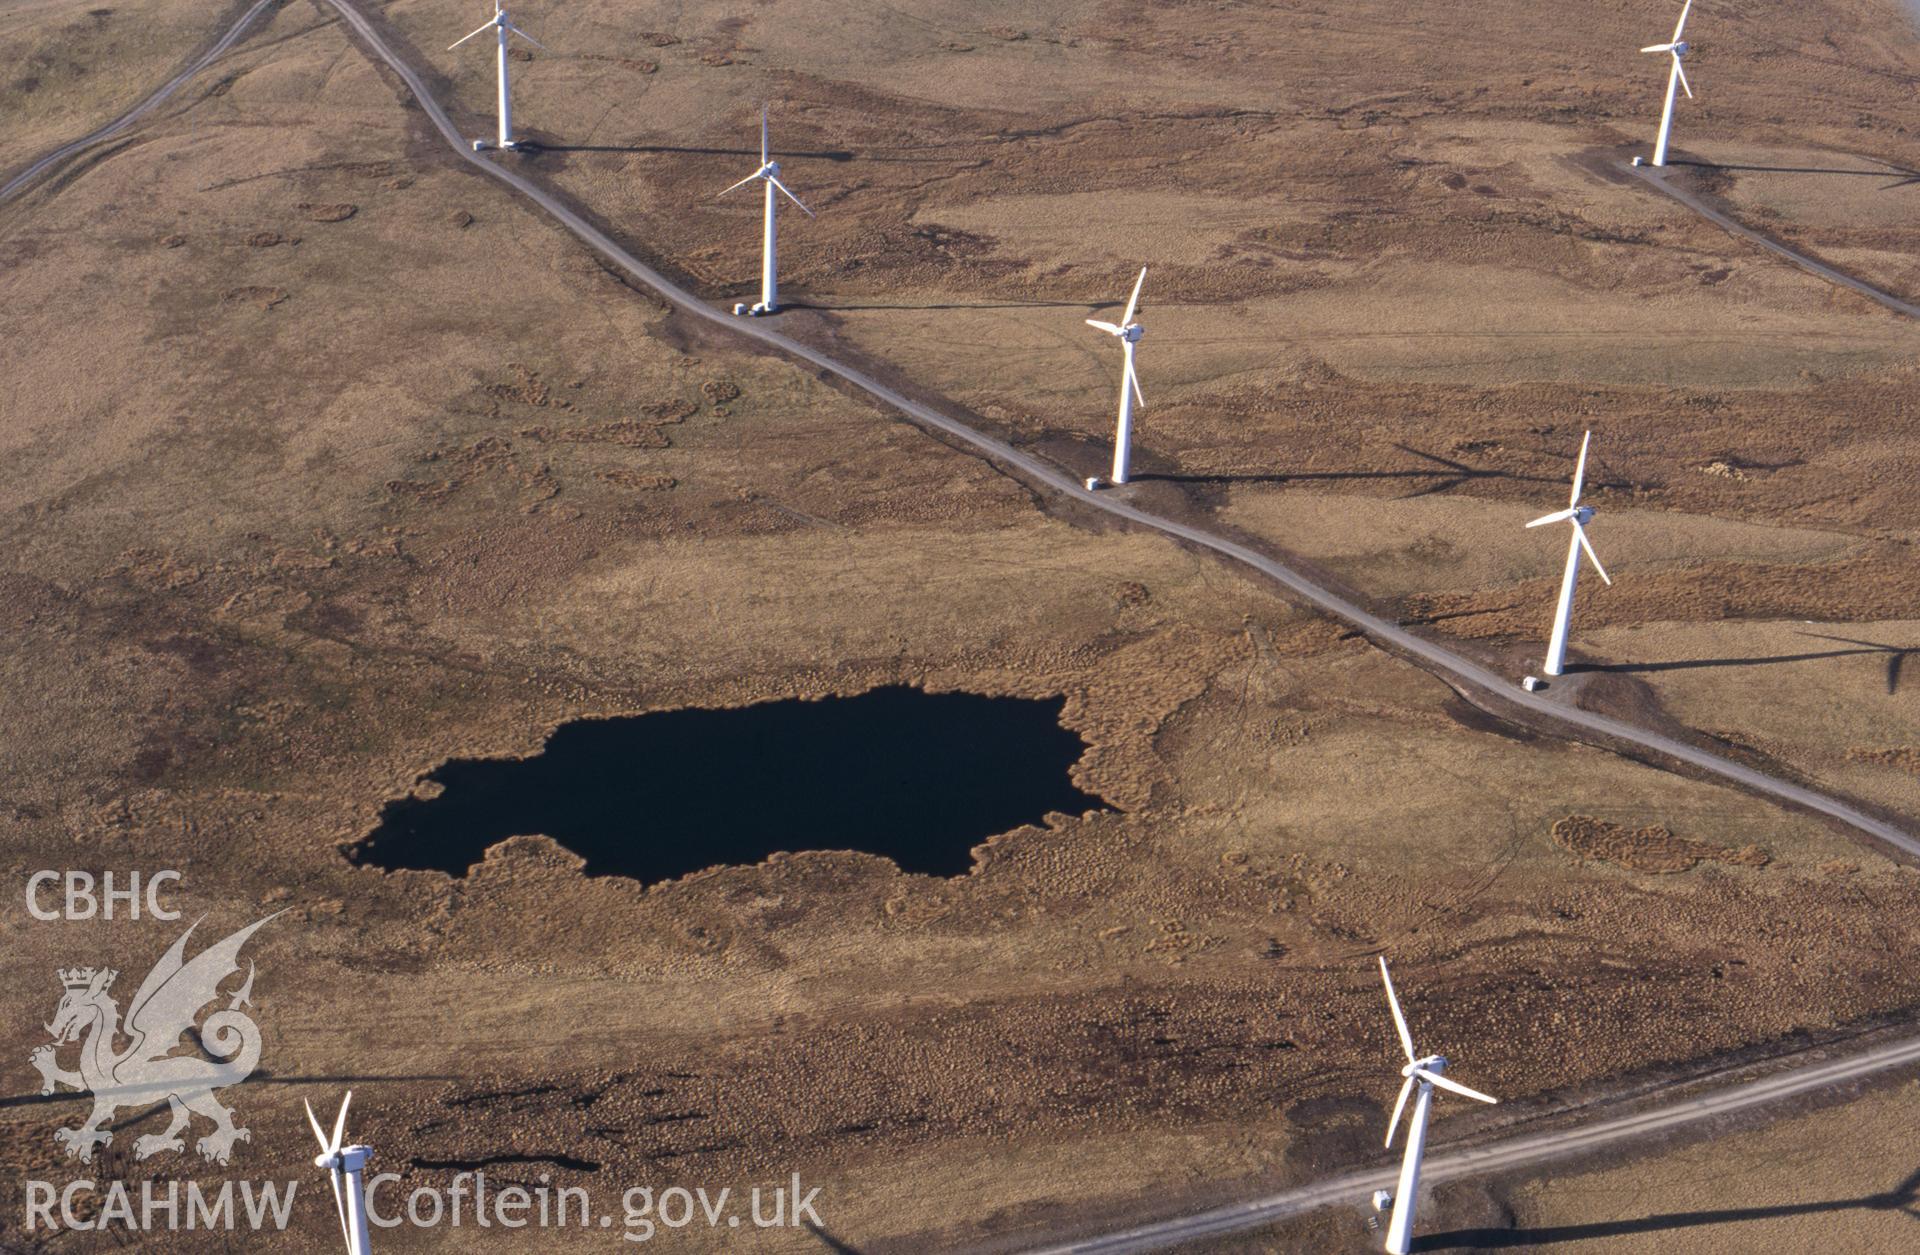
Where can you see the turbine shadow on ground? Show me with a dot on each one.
(1450, 473)
(1090, 307)
(1903, 1197)
(836, 154)
(1902, 177)
(261, 1077)
(1895, 657)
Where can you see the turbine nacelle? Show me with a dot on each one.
(1131, 333)
(346, 1159)
(500, 22)
(769, 172)
(1432, 1063)
(1580, 514)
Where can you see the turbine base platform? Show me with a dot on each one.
(1382, 1200)
(755, 310)
(1095, 483)
(481, 145)
(1639, 161)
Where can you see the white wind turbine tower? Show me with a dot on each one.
(348, 1162)
(1677, 48)
(1578, 515)
(1423, 1072)
(502, 26)
(1129, 333)
(769, 173)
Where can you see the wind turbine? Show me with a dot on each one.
(1578, 515)
(349, 1162)
(1676, 78)
(502, 25)
(769, 173)
(1423, 1072)
(1129, 333)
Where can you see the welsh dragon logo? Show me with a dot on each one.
(163, 1012)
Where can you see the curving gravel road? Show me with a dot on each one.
(1513, 1152)
(1656, 177)
(1460, 670)
(127, 119)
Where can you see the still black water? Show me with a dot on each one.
(919, 778)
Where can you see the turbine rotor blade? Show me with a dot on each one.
(1593, 557)
(1580, 469)
(340, 1122)
(529, 38)
(1399, 1020)
(340, 1206)
(790, 196)
(1133, 302)
(1681, 70)
(1400, 1105)
(742, 183)
(1436, 1079)
(1658, 48)
(1557, 517)
(1684, 10)
(314, 1120)
(1107, 327)
(763, 135)
(1133, 377)
(464, 38)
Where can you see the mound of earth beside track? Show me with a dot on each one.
(1650, 849)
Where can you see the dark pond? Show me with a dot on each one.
(916, 777)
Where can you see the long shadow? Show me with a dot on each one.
(1901, 176)
(258, 1078)
(1692, 664)
(1904, 1197)
(1449, 474)
(1428, 620)
(836, 154)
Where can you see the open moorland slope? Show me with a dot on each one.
(330, 462)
